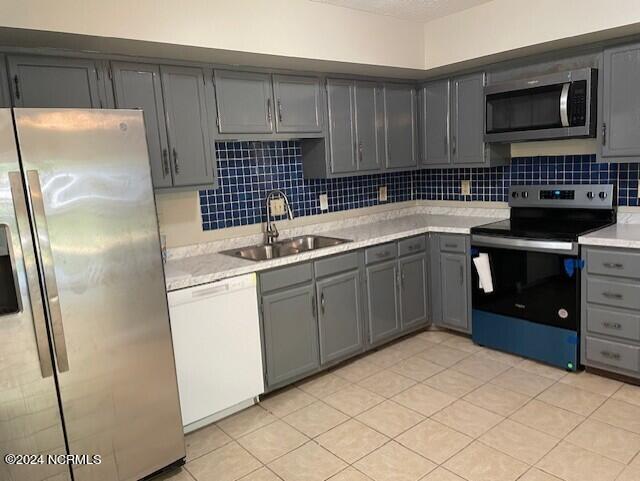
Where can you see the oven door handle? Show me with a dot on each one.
(528, 244)
(564, 105)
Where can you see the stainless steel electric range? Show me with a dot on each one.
(530, 304)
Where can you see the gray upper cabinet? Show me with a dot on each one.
(369, 121)
(192, 150)
(434, 123)
(467, 127)
(342, 155)
(621, 102)
(244, 101)
(339, 316)
(382, 300)
(290, 334)
(298, 103)
(5, 97)
(413, 290)
(455, 291)
(138, 86)
(400, 126)
(54, 82)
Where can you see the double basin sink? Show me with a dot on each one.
(284, 248)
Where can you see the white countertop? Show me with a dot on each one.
(209, 267)
(617, 235)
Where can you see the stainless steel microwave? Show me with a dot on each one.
(555, 106)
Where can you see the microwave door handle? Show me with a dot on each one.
(31, 273)
(43, 245)
(564, 105)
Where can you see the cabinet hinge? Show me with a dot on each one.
(110, 73)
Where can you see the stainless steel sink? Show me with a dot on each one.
(287, 247)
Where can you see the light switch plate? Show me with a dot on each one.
(277, 206)
(324, 202)
(382, 193)
(465, 187)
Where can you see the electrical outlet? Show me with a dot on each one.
(465, 187)
(324, 202)
(277, 206)
(382, 193)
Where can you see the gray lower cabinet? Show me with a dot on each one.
(290, 334)
(413, 290)
(339, 316)
(450, 277)
(192, 151)
(244, 101)
(621, 102)
(55, 82)
(400, 126)
(138, 86)
(382, 301)
(298, 103)
(610, 328)
(433, 100)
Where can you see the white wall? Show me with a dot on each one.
(506, 25)
(294, 28)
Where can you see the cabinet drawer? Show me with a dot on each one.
(613, 293)
(452, 243)
(412, 245)
(613, 323)
(613, 354)
(335, 264)
(381, 252)
(613, 263)
(287, 276)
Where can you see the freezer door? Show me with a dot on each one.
(30, 421)
(89, 187)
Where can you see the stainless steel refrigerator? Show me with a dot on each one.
(86, 360)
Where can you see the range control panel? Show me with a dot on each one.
(583, 196)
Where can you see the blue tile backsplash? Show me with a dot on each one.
(249, 170)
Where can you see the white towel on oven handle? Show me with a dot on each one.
(484, 272)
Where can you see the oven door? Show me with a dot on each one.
(541, 285)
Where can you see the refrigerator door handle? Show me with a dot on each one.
(49, 277)
(31, 271)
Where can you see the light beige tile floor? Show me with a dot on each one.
(432, 407)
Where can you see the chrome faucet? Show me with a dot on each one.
(271, 232)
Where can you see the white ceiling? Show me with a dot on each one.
(419, 10)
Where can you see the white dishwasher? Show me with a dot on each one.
(216, 340)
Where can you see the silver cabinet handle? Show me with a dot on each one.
(176, 167)
(279, 111)
(360, 151)
(313, 306)
(461, 275)
(165, 162)
(269, 111)
(49, 275)
(604, 134)
(322, 302)
(612, 295)
(612, 325)
(451, 246)
(402, 278)
(611, 355)
(454, 146)
(613, 265)
(380, 255)
(31, 270)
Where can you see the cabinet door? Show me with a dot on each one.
(5, 98)
(455, 303)
(368, 122)
(382, 300)
(467, 130)
(413, 290)
(400, 126)
(137, 86)
(244, 102)
(621, 101)
(341, 126)
(188, 126)
(54, 82)
(434, 112)
(339, 319)
(298, 103)
(290, 334)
